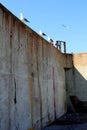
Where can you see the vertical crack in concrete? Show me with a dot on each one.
(15, 100)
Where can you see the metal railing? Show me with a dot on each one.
(61, 45)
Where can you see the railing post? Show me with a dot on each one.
(64, 47)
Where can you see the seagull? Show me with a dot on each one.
(50, 40)
(57, 44)
(65, 26)
(23, 19)
(41, 33)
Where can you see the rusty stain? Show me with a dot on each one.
(54, 93)
(31, 100)
(65, 104)
(30, 129)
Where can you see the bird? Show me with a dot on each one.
(65, 26)
(23, 19)
(42, 33)
(58, 44)
(50, 40)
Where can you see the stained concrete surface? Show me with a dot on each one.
(70, 121)
(32, 77)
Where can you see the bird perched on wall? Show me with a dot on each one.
(50, 40)
(58, 44)
(23, 19)
(42, 33)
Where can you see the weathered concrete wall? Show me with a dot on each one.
(32, 77)
(68, 66)
(67, 60)
(70, 87)
(76, 78)
(80, 74)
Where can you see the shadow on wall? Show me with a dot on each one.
(80, 106)
(77, 95)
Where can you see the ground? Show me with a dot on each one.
(70, 121)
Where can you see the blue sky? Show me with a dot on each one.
(50, 15)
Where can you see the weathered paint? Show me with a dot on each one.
(32, 77)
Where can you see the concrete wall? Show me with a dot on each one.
(80, 74)
(76, 78)
(32, 77)
(67, 61)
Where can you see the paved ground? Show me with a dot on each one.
(74, 121)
